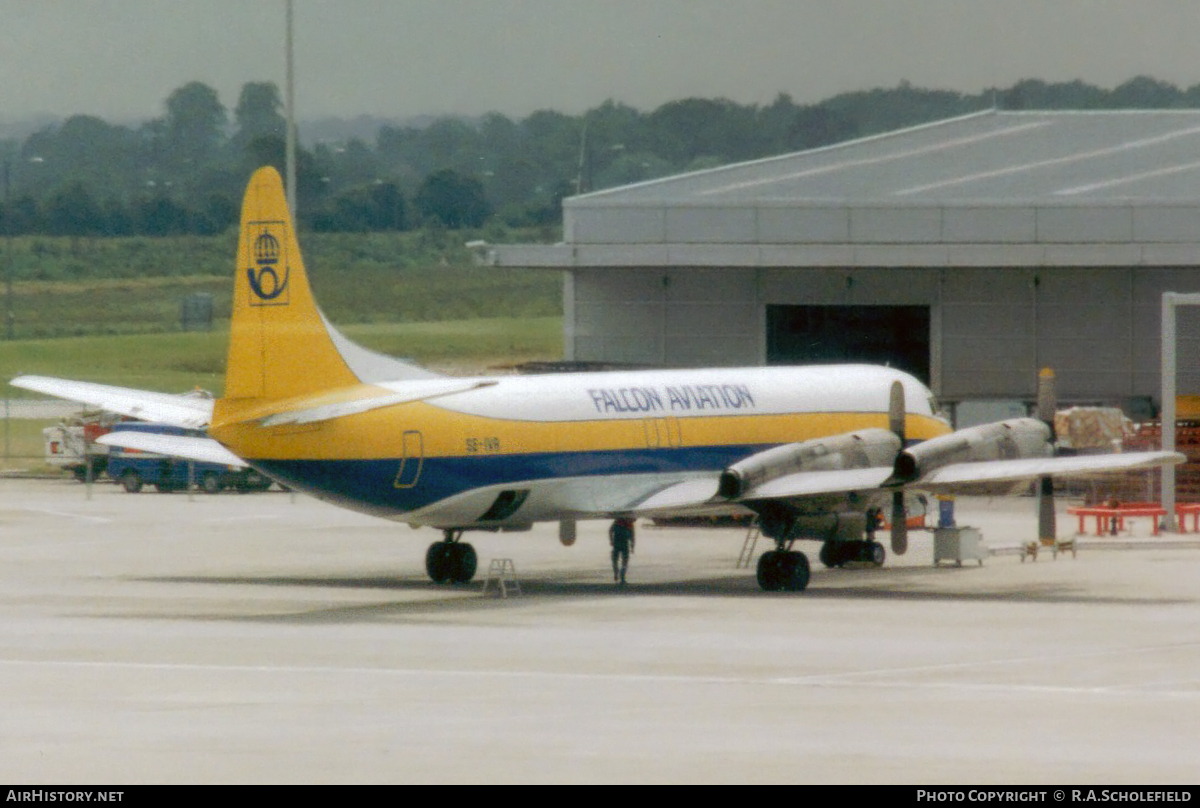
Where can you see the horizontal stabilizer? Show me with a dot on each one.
(205, 450)
(418, 390)
(966, 474)
(187, 411)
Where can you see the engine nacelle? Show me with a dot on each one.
(1005, 440)
(862, 449)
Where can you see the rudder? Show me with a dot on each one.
(279, 344)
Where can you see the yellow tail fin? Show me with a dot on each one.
(279, 343)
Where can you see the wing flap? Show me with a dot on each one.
(816, 483)
(699, 497)
(164, 408)
(687, 494)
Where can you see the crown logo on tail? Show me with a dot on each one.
(266, 283)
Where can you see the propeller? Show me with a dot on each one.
(896, 424)
(1047, 403)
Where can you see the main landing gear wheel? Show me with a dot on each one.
(785, 571)
(451, 561)
(838, 553)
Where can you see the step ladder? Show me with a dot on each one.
(747, 554)
(504, 573)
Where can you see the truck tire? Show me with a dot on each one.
(132, 481)
(253, 481)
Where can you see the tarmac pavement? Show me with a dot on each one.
(269, 638)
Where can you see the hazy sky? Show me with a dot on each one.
(121, 58)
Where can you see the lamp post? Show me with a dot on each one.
(8, 294)
(1170, 301)
(8, 233)
(9, 226)
(289, 80)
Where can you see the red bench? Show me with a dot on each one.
(1184, 510)
(1106, 514)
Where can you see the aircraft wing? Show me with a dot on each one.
(700, 496)
(203, 449)
(947, 479)
(164, 408)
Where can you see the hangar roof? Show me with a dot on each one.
(992, 188)
(998, 156)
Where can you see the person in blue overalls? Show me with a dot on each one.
(621, 537)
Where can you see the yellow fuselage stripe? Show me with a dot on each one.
(380, 433)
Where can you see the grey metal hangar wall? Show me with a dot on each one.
(971, 252)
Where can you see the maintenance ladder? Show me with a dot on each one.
(747, 554)
(504, 573)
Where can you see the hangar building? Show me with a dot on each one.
(971, 252)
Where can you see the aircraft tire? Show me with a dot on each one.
(783, 571)
(437, 561)
(794, 571)
(769, 579)
(463, 562)
(837, 553)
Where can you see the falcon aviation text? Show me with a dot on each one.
(681, 398)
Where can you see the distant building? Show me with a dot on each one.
(971, 252)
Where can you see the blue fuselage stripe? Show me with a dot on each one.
(372, 484)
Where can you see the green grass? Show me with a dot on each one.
(109, 306)
(84, 287)
(493, 341)
(364, 294)
(180, 361)
(167, 362)
(22, 446)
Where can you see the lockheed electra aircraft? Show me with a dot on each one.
(813, 452)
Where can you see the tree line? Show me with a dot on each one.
(183, 173)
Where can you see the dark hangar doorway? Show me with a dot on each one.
(896, 336)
